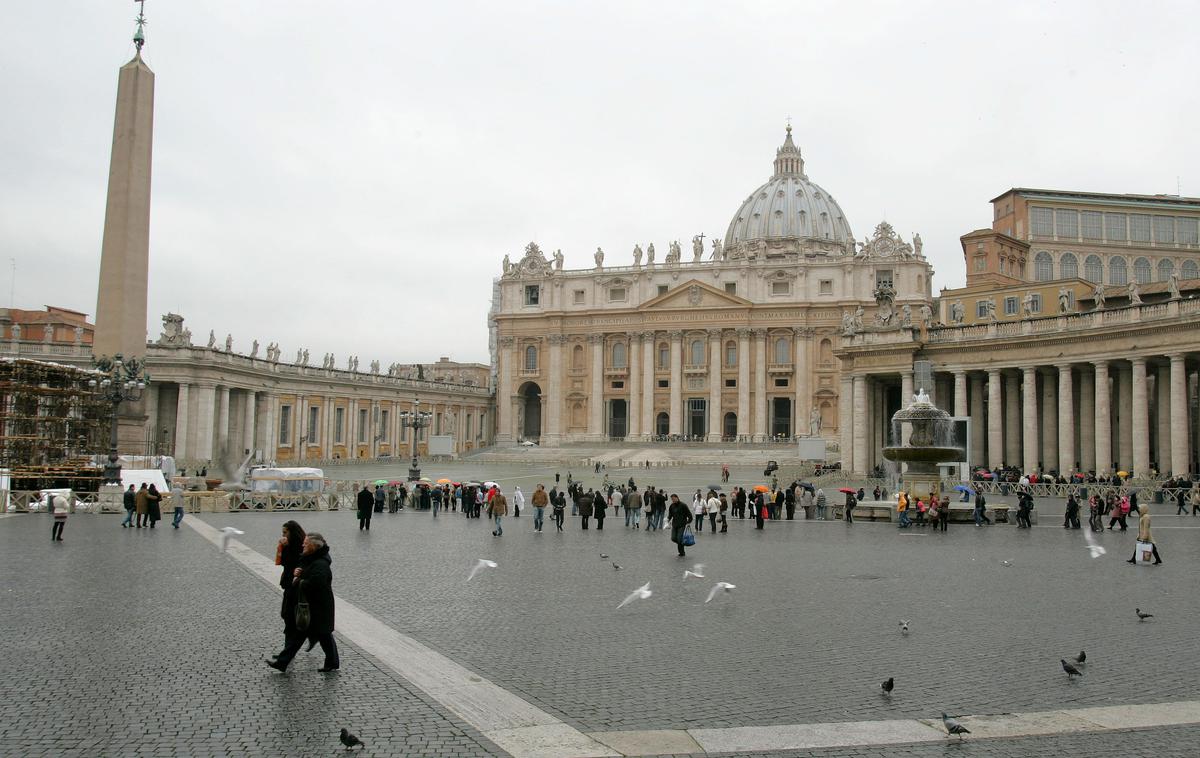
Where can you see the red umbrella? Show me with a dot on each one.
(847, 489)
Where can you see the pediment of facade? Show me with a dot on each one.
(694, 294)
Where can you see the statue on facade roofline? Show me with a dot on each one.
(697, 248)
(650, 255)
(637, 255)
(1064, 300)
(304, 358)
(254, 349)
(229, 343)
(599, 258)
(506, 264)
(1027, 305)
(957, 312)
(1098, 296)
(558, 260)
(1173, 286)
(718, 251)
(1135, 296)
(917, 243)
(212, 339)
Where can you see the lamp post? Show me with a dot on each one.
(121, 380)
(416, 419)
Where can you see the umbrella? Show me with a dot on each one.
(472, 484)
(1123, 474)
(381, 481)
(807, 486)
(492, 484)
(425, 479)
(847, 489)
(761, 488)
(396, 482)
(963, 488)
(714, 487)
(444, 481)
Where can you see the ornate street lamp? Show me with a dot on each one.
(122, 380)
(416, 419)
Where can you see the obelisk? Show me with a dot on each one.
(125, 250)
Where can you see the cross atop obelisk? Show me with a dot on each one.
(139, 37)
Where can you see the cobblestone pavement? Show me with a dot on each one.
(119, 639)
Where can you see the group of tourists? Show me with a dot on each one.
(145, 504)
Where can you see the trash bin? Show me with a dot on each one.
(1158, 497)
(1005, 489)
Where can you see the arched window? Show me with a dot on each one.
(697, 352)
(1165, 269)
(1117, 273)
(825, 224)
(731, 353)
(1141, 271)
(664, 355)
(782, 353)
(1093, 269)
(531, 358)
(1068, 266)
(618, 355)
(802, 223)
(662, 424)
(1189, 270)
(1043, 267)
(577, 357)
(826, 351)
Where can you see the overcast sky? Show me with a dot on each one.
(348, 176)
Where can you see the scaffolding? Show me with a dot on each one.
(51, 422)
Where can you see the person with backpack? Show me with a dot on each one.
(57, 504)
(980, 514)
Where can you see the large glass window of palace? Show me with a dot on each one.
(1093, 269)
(664, 355)
(1141, 271)
(532, 294)
(531, 357)
(1117, 273)
(731, 353)
(1164, 230)
(1066, 224)
(1189, 270)
(781, 288)
(783, 350)
(1165, 268)
(1035, 304)
(314, 415)
(1091, 225)
(1043, 267)
(362, 425)
(1115, 227)
(577, 358)
(1186, 231)
(384, 417)
(1041, 222)
(697, 352)
(1010, 306)
(883, 276)
(618, 355)
(616, 294)
(285, 424)
(1139, 227)
(1068, 266)
(339, 425)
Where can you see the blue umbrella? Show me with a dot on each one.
(964, 488)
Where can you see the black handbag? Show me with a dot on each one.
(303, 615)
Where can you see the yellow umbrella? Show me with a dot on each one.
(1122, 474)
(444, 481)
(761, 488)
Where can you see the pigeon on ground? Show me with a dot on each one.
(696, 571)
(641, 593)
(349, 740)
(227, 534)
(904, 626)
(1142, 616)
(604, 555)
(1078, 660)
(616, 566)
(1072, 672)
(481, 564)
(726, 586)
(887, 685)
(953, 727)
(1094, 547)
(1006, 563)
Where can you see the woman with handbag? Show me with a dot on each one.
(313, 579)
(287, 555)
(1144, 536)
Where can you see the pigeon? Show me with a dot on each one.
(953, 727)
(904, 626)
(1094, 547)
(227, 534)
(349, 740)
(1006, 563)
(696, 571)
(481, 564)
(1078, 660)
(717, 588)
(1072, 672)
(604, 555)
(887, 685)
(616, 566)
(641, 593)
(1142, 616)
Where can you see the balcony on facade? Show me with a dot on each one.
(779, 368)
(692, 369)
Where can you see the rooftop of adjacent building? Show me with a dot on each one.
(1107, 198)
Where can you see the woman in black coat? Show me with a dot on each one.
(287, 555)
(366, 505)
(153, 511)
(313, 579)
(599, 508)
(585, 506)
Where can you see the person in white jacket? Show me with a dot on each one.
(518, 502)
(713, 507)
(699, 507)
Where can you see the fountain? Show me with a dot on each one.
(928, 444)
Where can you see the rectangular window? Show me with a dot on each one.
(731, 287)
(285, 424)
(781, 288)
(1003, 265)
(1139, 227)
(618, 385)
(403, 431)
(362, 425)
(1066, 223)
(781, 382)
(1164, 230)
(1041, 222)
(1035, 306)
(532, 294)
(339, 425)
(579, 297)
(1010, 306)
(662, 289)
(980, 263)
(314, 415)
(383, 425)
(825, 287)
(883, 276)
(1091, 224)
(731, 382)
(1114, 227)
(1185, 228)
(980, 309)
(470, 418)
(664, 383)
(616, 294)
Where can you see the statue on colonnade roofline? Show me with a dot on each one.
(917, 243)
(1027, 305)
(847, 324)
(637, 255)
(1098, 296)
(718, 253)
(558, 260)
(212, 339)
(304, 357)
(506, 264)
(957, 312)
(254, 349)
(1064, 300)
(1173, 286)
(906, 316)
(926, 313)
(650, 255)
(1135, 296)
(697, 248)
(599, 258)
(229, 343)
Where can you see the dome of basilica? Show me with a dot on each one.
(791, 208)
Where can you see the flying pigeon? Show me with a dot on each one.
(696, 571)
(904, 626)
(717, 588)
(641, 593)
(227, 534)
(1094, 547)
(1072, 672)
(1078, 660)
(616, 566)
(887, 685)
(1142, 616)
(481, 564)
(953, 727)
(349, 740)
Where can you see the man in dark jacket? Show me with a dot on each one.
(584, 504)
(314, 582)
(380, 498)
(130, 501)
(680, 516)
(366, 501)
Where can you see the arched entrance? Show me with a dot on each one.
(781, 416)
(618, 411)
(529, 424)
(662, 425)
(729, 427)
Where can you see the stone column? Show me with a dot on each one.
(1180, 455)
(860, 424)
(1087, 415)
(1049, 421)
(205, 402)
(714, 385)
(960, 393)
(223, 412)
(150, 430)
(1124, 425)
(1066, 421)
(648, 347)
(760, 385)
(270, 445)
(1162, 404)
(182, 448)
(506, 433)
(845, 422)
(743, 382)
(802, 402)
(1012, 419)
(596, 430)
(248, 423)
(1029, 420)
(676, 419)
(552, 401)
(633, 414)
(978, 423)
(906, 394)
(995, 420)
(1140, 419)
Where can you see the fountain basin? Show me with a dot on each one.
(923, 454)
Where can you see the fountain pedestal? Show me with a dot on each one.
(928, 445)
